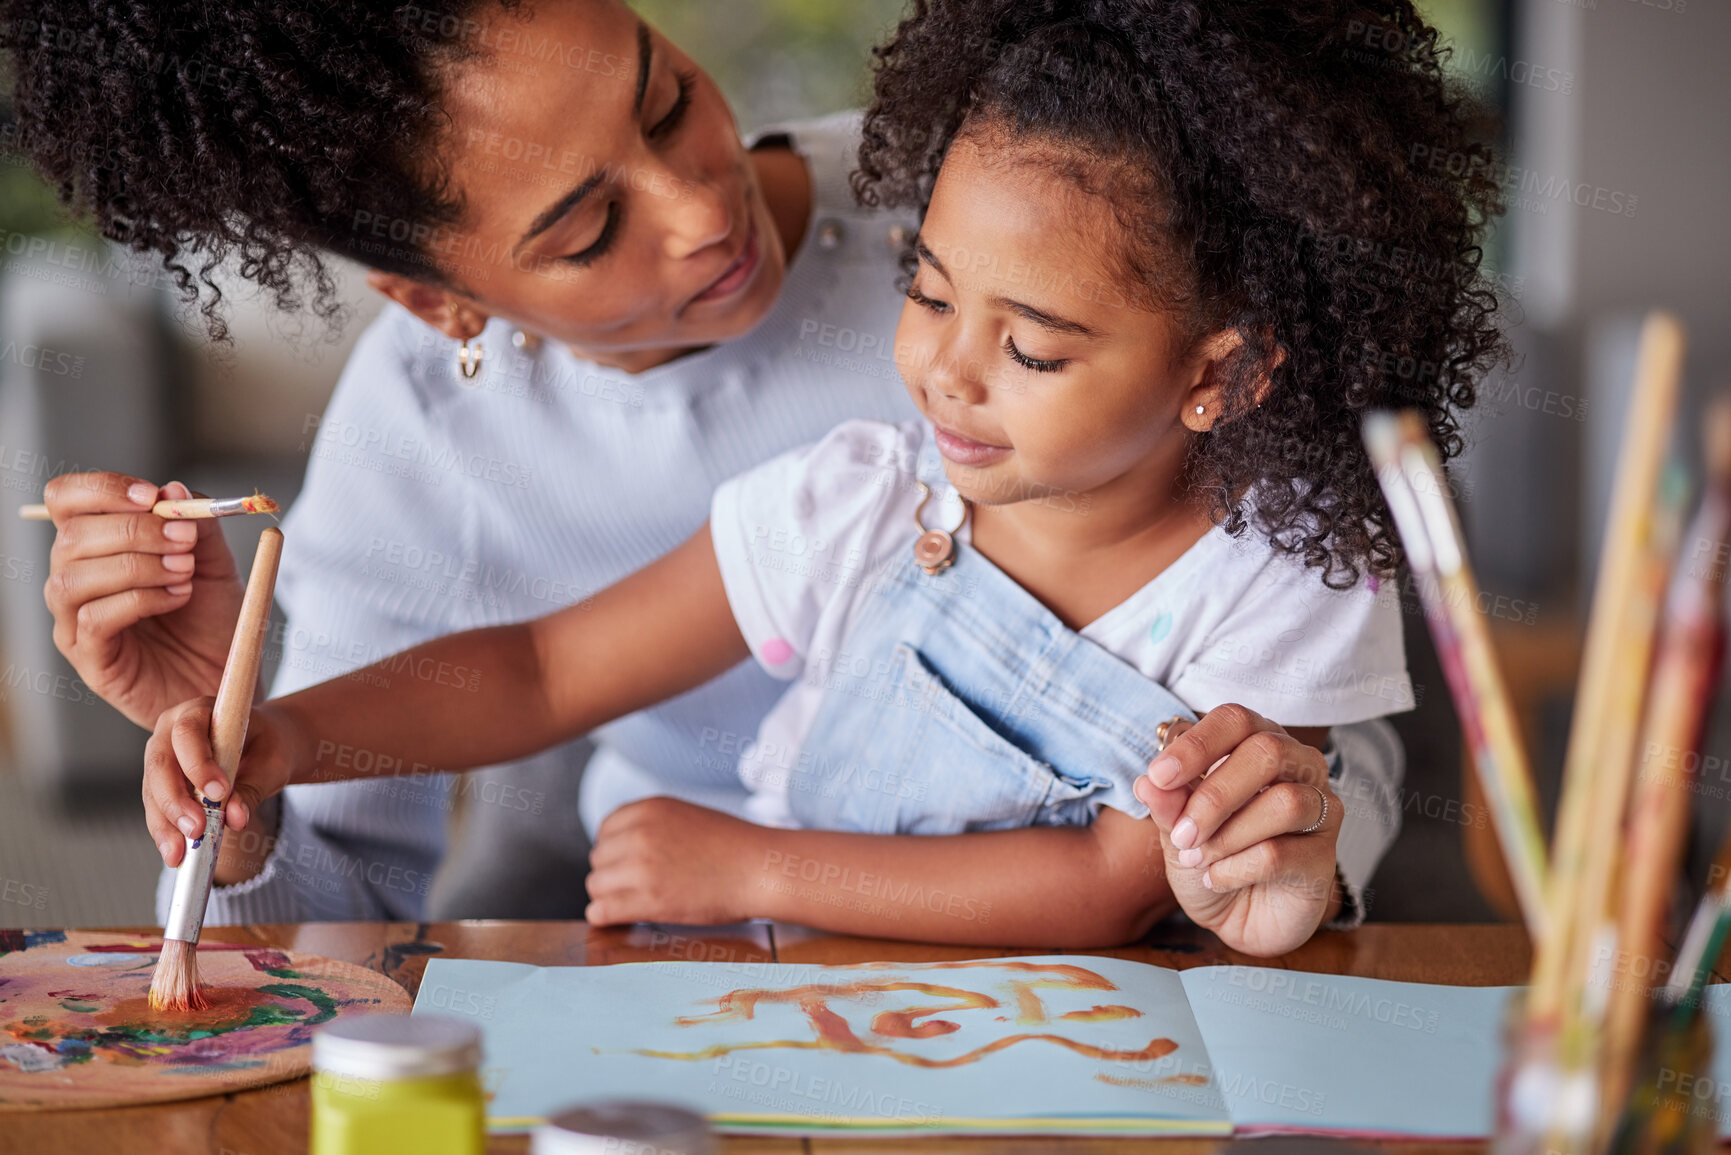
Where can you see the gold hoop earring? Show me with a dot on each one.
(469, 360)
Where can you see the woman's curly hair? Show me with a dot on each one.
(1322, 185)
(264, 132)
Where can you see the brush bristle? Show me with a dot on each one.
(259, 503)
(174, 986)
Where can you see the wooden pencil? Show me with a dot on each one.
(1600, 758)
(1410, 470)
(184, 508)
(175, 986)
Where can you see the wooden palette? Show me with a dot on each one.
(76, 1031)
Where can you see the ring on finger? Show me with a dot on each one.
(1320, 818)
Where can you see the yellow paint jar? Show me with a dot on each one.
(398, 1085)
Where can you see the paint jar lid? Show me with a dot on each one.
(624, 1127)
(386, 1047)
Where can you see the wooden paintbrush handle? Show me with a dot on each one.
(240, 675)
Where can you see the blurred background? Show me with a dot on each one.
(1613, 115)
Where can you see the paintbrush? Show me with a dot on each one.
(1707, 928)
(1686, 671)
(1599, 761)
(184, 508)
(1413, 481)
(175, 983)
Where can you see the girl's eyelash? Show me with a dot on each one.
(602, 243)
(1015, 354)
(1028, 362)
(924, 301)
(665, 126)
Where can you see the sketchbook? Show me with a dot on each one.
(1062, 1044)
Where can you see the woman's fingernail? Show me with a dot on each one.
(180, 531)
(1184, 834)
(1207, 880)
(140, 493)
(1191, 857)
(216, 790)
(178, 589)
(165, 848)
(187, 826)
(1140, 789)
(177, 562)
(1163, 769)
(245, 815)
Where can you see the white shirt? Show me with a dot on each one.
(800, 538)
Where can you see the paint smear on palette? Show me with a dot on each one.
(827, 1008)
(76, 1029)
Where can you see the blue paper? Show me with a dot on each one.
(1313, 1052)
(997, 1044)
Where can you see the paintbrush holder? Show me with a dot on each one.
(1545, 1103)
(1549, 1093)
(1675, 1103)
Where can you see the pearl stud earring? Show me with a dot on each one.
(1201, 409)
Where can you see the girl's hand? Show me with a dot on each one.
(1235, 857)
(179, 765)
(663, 860)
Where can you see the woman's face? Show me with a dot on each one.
(608, 202)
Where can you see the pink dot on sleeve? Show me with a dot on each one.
(776, 651)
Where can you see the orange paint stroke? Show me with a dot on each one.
(1030, 1009)
(835, 1034)
(1154, 1084)
(1101, 1014)
(743, 1003)
(1156, 1049)
(901, 1024)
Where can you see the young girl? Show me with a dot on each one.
(1126, 295)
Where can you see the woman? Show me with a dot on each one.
(559, 192)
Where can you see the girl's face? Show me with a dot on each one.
(608, 202)
(1020, 342)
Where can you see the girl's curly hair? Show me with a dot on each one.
(261, 131)
(1324, 187)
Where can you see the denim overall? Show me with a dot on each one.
(961, 703)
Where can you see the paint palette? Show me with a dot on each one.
(76, 1031)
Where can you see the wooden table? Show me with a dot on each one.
(273, 1120)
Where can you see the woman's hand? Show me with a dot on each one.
(1236, 855)
(663, 860)
(179, 765)
(143, 607)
